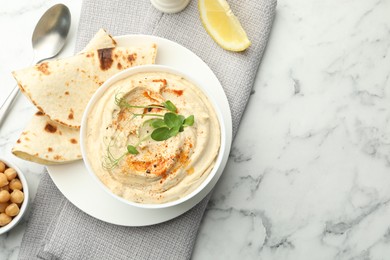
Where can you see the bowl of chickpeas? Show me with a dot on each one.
(13, 195)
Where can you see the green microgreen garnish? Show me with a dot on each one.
(110, 161)
(169, 106)
(132, 150)
(189, 121)
(170, 126)
(164, 127)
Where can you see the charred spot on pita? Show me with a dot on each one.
(132, 57)
(44, 68)
(73, 141)
(105, 58)
(50, 128)
(39, 113)
(71, 115)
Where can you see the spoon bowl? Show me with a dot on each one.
(51, 31)
(48, 39)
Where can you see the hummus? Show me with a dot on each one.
(162, 171)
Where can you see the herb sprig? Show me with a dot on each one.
(165, 126)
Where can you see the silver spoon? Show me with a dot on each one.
(48, 39)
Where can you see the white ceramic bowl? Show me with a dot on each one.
(152, 68)
(25, 202)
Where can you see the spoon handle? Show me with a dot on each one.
(5, 107)
(7, 104)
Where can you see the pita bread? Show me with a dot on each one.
(39, 142)
(101, 40)
(61, 89)
(47, 142)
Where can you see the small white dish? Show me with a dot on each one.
(25, 202)
(152, 69)
(170, 6)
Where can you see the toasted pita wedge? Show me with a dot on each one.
(61, 89)
(47, 142)
(101, 40)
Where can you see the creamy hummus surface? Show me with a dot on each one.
(162, 171)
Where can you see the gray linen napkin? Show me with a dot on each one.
(56, 228)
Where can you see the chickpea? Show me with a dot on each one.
(6, 187)
(17, 196)
(12, 210)
(3, 179)
(4, 196)
(15, 184)
(3, 206)
(4, 219)
(10, 173)
(2, 166)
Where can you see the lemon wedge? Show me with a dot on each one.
(222, 25)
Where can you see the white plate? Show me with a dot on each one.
(78, 186)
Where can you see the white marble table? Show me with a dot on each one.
(309, 172)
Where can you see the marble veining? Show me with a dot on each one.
(308, 174)
(310, 164)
